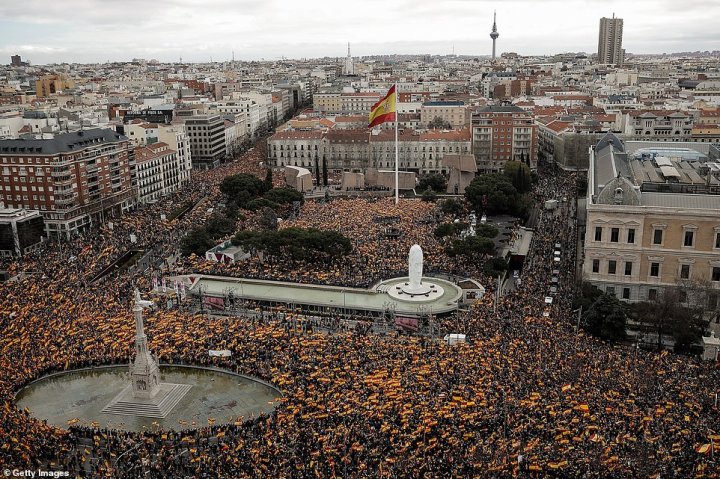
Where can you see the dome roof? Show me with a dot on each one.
(619, 191)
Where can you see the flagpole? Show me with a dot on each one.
(397, 161)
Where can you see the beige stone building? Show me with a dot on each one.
(52, 84)
(652, 221)
(454, 113)
(328, 102)
(359, 149)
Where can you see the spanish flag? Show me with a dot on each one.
(384, 110)
(703, 449)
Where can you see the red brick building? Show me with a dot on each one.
(74, 179)
(503, 133)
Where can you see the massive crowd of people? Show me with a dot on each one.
(526, 396)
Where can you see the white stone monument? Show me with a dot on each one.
(415, 289)
(145, 396)
(711, 347)
(144, 372)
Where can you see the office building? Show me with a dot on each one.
(207, 140)
(21, 231)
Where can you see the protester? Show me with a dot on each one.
(528, 396)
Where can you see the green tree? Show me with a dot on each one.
(486, 230)
(325, 172)
(495, 267)
(295, 243)
(242, 188)
(268, 179)
(433, 181)
(439, 123)
(232, 211)
(451, 206)
(197, 241)
(267, 219)
(428, 195)
(472, 246)
(606, 318)
(219, 225)
(502, 196)
(671, 314)
(283, 196)
(260, 203)
(444, 229)
(586, 296)
(317, 171)
(519, 175)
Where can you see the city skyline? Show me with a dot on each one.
(87, 31)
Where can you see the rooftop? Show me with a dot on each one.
(65, 142)
(660, 176)
(501, 109)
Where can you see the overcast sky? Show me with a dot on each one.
(48, 31)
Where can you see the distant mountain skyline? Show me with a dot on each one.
(95, 31)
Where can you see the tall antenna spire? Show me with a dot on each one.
(348, 48)
(494, 34)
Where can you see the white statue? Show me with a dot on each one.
(415, 268)
(141, 303)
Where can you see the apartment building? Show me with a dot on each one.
(610, 50)
(159, 172)
(74, 179)
(652, 220)
(501, 134)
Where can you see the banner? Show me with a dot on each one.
(214, 303)
(222, 353)
(407, 323)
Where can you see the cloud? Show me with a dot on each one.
(30, 49)
(98, 30)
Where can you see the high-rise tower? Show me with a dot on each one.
(610, 49)
(494, 34)
(349, 68)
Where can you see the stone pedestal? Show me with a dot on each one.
(145, 395)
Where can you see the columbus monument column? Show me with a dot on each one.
(145, 396)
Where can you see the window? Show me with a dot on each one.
(655, 269)
(712, 301)
(682, 296)
(689, 237)
(652, 294)
(611, 290)
(684, 271)
(657, 236)
(631, 236)
(717, 240)
(598, 233)
(626, 293)
(614, 235)
(596, 266)
(612, 266)
(716, 273)
(628, 268)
